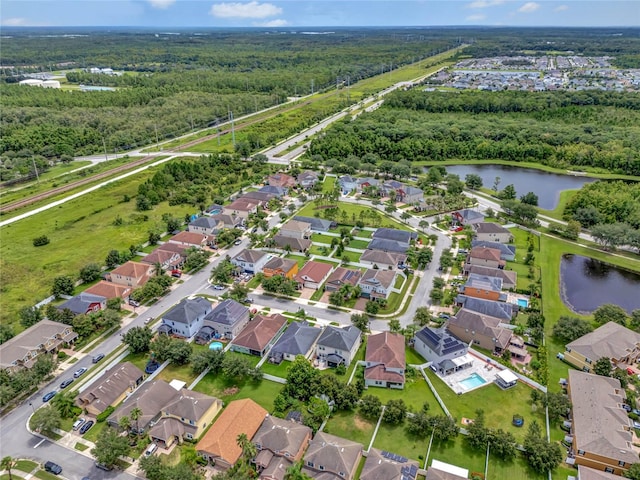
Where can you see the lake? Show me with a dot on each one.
(544, 184)
(586, 283)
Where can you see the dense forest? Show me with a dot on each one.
(575, 130)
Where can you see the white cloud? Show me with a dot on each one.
(529, 7)
(244, 10)
(14, 22)
(279, 22)
(561, 8)
(475, 18)
(162, 4)
(485, 3)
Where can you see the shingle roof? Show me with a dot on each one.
(384, 278)
(335, 454)
(191, 238)
(260, 331)
(297, 339)
(483, 325)
(435, 474)
(379, 467)
(506, 275)
(160, 256)
(385, 258)
(503, 310)
(188, 310)
(149, 398)
(240, 416)
(314, 271)
(109, 290)
(386, 245)
(586, 473)
(484, 282)
(485, 253)
(296, 226)
(279, 263)
(204, 222)
(190, 405)
(316, 223)
(282, 180)
(394, 234)
(227, 312)
(273, 190)
(249, 256)
(243, 204)
(297, 244)
(173, 247)
(489, 227)
(343, 275)
(386, 348)
(261, 196)
(279, 435)
(505, 250)
(132, 269)
(598, 419)
(469, 214)
(341, 338)
(436, 338)
(611, 340)
(81, 303)
(113, 383)
(17, 347)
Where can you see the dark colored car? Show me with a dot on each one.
(48, 396)
(66, 383)
(98, 357)
(53, 468)
(85, 428)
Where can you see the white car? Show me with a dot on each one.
(148, 320)
(79, 372)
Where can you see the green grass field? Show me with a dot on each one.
(396, 439)
(352, 209)
(227, 390)
(364, 234)
(349, 424)
(518, 266)
(320, 238)
(359, 244)
(329, 184)
(298, 258)
(415, 393)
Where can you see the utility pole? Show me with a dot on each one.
(312, 86)
(157, 138)
(191, 121)
(104, 144)
(36, 169)
(233, 129)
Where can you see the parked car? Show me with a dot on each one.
(85, 428)
(78, 423)
(444, 316)
(79, 372)
(626, 408)
(49, 396)
(218, 287)
(148, 320)
(133, 303)
(636, 424)
(53, 468)
(97, 358)
(176, 273)
(66, 383)
(238, 241)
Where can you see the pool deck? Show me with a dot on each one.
(479, 367)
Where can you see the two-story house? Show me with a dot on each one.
(204, 225)
(509, 277)
(492, 232)
(227, 319)
(242, 207)
(467, 217)
(284, 267)
(110, 389)
(483, 286)
(485, 257)
(507, 252)
(251, 261)
(167, 260)
(317, 224)
(483, 330)
(281, 180)
(385, 360)
(446, 353)
(383, 465)
(258, 336)
(296, 229)
(313, 274)
(331, 457)
(191, 239)
(84, 303)
(338, 346)
(342, 276)
(377, 284)
(347, 184)
(131, 274)
(378, 259)
(110, 290)
(186, 318)
(308, 179)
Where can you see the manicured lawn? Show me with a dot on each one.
(396, 439)
(252, 359)
(399, 282)
(218, 386)
(94, 432)
(320, 238)
(276, 370)
(359, 244)
(518, 266)
(298, 258)
(565, 197)
(364, 234)
(138, 359)
(413, 358)
(178, 372)
(322, 251)
(5, 476)
(45, 475)
(349, 424)
(322, 260)
(351, 209)
(353, 257)
(415, 393)
(329, 184)
(26, 465)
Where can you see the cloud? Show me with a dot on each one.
(279, 22)
(14, 22)
(475, 18)
(162, 4)
(529, 7)
(485, 3)
(561, 8)
(244, 10)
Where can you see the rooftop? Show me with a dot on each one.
(611, 340)
(314, 271)
(340, 338)
(386, 348)
(489, 227)
(481, 324)
(260, 331)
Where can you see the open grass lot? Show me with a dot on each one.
(565, 197)
(513, 401)
(276, 370)
(178, 372)
(359, 244)
(349, 424)
(518, 266)
(364, 234)
(329, 184)
(396, 439)
(415, 393)
(227, 390)
(320, 238)
(138, 359)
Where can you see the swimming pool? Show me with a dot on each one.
(215, 346)
(473, 381)
(522, 302)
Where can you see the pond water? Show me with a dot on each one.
(586, 283)
(544, 184)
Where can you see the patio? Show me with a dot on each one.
(456, 380)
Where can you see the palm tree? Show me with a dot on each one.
(158, 270)
(135, 415)
(64, 404)
(249, 450)
(7, 464)
(294, 472)
(125, 423)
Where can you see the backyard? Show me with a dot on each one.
(349, 424)
(227, 390)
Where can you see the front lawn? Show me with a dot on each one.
(228, 390)
(25, 465)
(359, 244)
(349, 424)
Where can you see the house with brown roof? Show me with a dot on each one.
(284, 267)
(295, 229)
(377, 284)
(509, 277)
(377, 259)
(131, 274)
(586, 473)
(308, 179)
(44, 337)
(383, 465)
(260, 334)
(110, 389)
(602, 431)
(242, 207)
(109, 290)
(168, 260)
(280, 444)
(491, 232)
(281, 180)
(251, 261)
(485, 257)
(483, 330)
(611, 340)
(291, 244)
(219, 445)
(174, 247)
(313, 274)
(191, 239)
(385, 360)
(342, 276)
(331, 458)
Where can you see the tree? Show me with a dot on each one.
(603, 367)
(610, 235)
(361, 321)
(444, 427)
(294, 472)
(138, 339)
(530, 198)
(301, 379)
(634, 323)
(394, 325)
(248, 448)
(395, 411)
(509, 193)
(6, 333)
(423, 224)
(455, 186)
(541, 455)
(238, 292)
(7, 464)
(419, 424)
(422, 316)
(473, 181)
(113, 259)
(124, 423)
(557, 403)
(370, 407)
(633, 472)
(609, 312)
(179, 352)
(496, 184)
(211, 359)
(30, 316)
(235, 366)
(110, 446)
(62, 285)
(46, 420)
(90, 272)
(135, 415)
(223, 271)
(567, 329)
(64, 403)
(478, 434)
(503, 444)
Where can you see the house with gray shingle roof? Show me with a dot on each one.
(331, 458)
(482, 286)
(251, 261)
(386, 245)
(280, 443)
(492, 232)
(205, 225)
(395, 234)
(317, 224)
(502, 310)
(467, 217)
(278, 192)
(347, 184)
(482, 330)
(227, 319)
(382, 260)
(380, 465)
(308, 179)
(338, 345)
(377, 284)
(509, 277)
(294, 244)
(299, 339)
(507, 252)
(185, 318)
(84, 303)
(446, 352)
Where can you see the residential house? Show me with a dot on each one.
(342, 276)
(44, 337)
(168, 260)
(401, 236)
(331, 458)
(296, 229)
(280, 443)
(509, 277)
(482, 330)
(445, 471)
(383, 465)
(84, 303)
(242, 207)
(602, 432)
(481, 286)
(131, 274)
(410, 195)
(191, 239)
(278, 192)
(174, 248)
(446, 353)
(261, 197)
(502, 310)
(308, 179)
(492, 232)
(366, 184)
(347, 184)
(186, 318)
(291, 244)
(377, 284)
(251, 261)
(317, 224)
(219, 445)
(226, 221)
(467, 217)
(377, 259)
(110, 389)
(338, 345)
(586, 473)
(204, 225)
(507, 252)
(313, 274)
(611, 340)
(299, 339)
(284, 267)
(227, 319)
(109, 290)
(385, 360)
(259, 335)
(385, 245)
(484, 257)
(281, 180)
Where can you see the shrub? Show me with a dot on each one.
(104, 415)
(40, 241)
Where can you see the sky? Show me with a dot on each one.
(310, 13)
